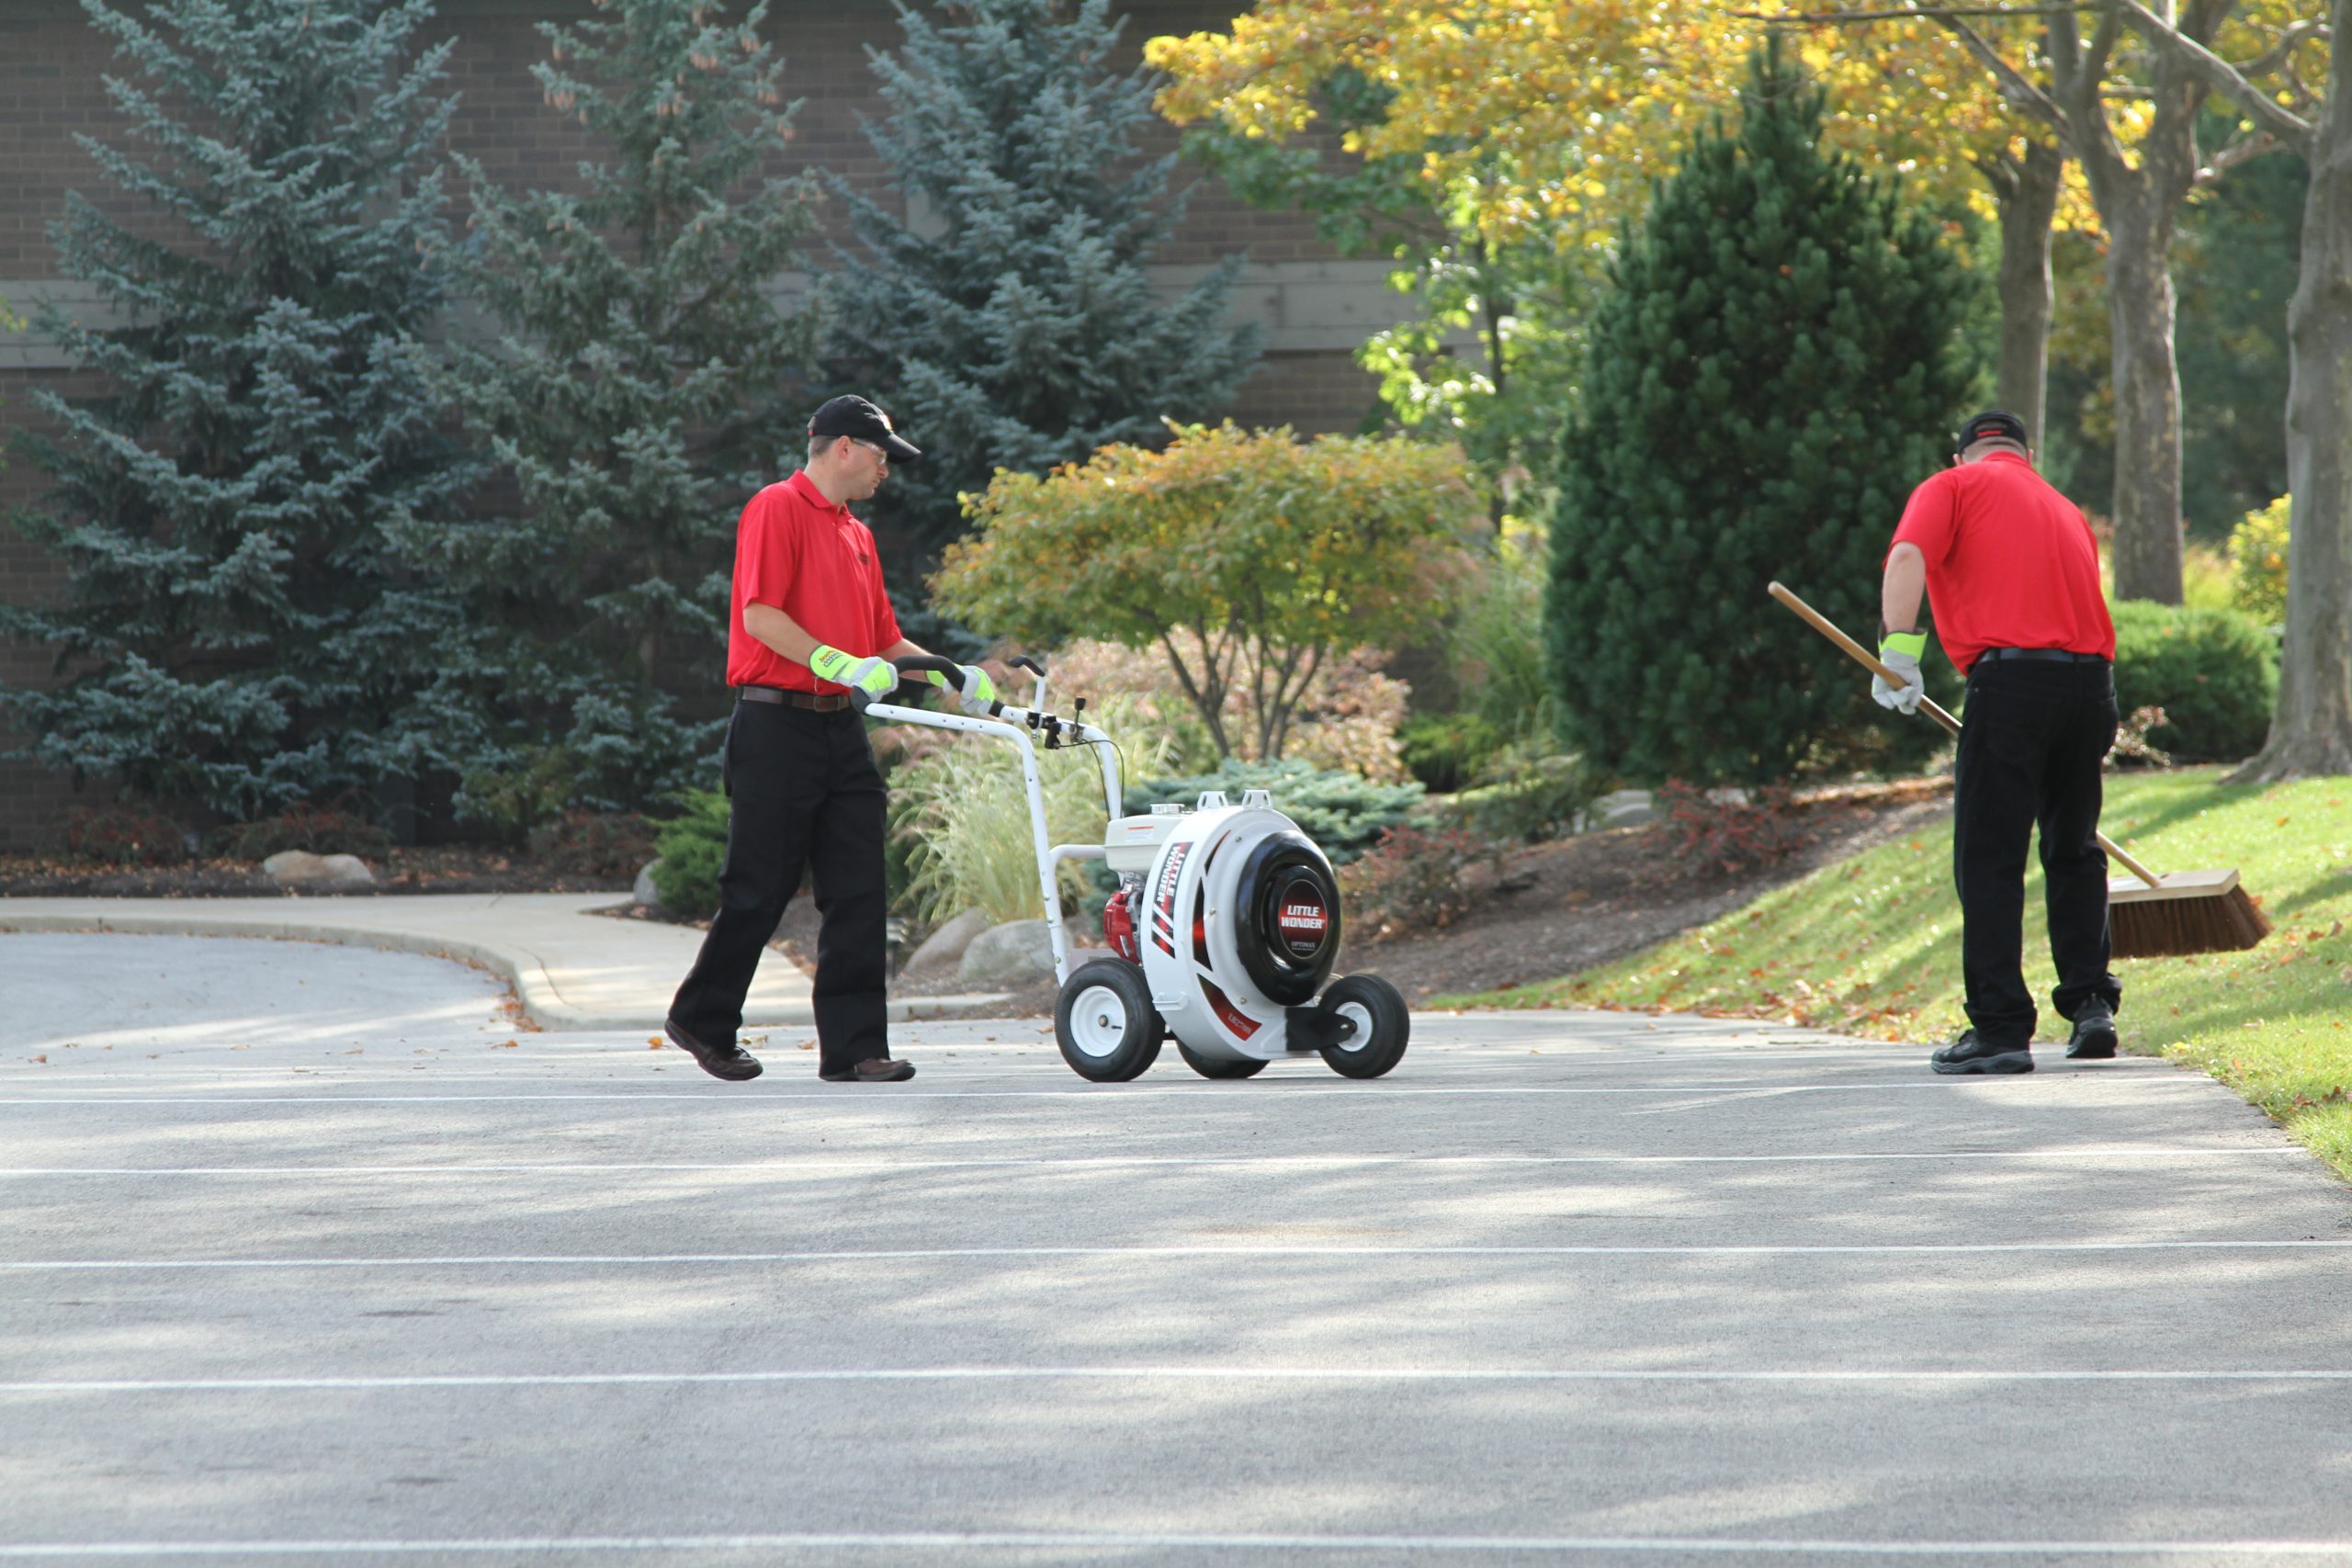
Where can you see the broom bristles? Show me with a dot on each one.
(2227, 921)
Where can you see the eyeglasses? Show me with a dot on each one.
(873, 448)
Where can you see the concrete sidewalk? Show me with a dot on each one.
(572, 968)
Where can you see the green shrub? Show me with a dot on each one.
(1527, 793)
(1344, 814)
(692, 846)
(1778, 360)
(117, 835)
(337, 829)
(2258, 562)
(607, 844)
(2214, 673)
(1446, 751)
(1494, 644)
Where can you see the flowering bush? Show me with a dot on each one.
(610, 844)
(1701, 833)
(335, 830)
(2258, 562)
(2132, 748)
(1411, 880)
(118, 835)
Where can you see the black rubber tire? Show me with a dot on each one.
(1380, 1047)
(1209, 1069)
(1135, 1044)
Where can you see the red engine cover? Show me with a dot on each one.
(1119, 927)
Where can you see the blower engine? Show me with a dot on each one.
(1222, 932)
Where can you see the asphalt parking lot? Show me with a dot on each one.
(309, 1254)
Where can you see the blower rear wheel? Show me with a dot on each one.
(1105, 1024)
(1383, 1026)
(1209, 1069)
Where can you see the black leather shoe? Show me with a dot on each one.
(732, 1062)
(2093, 1036)
(1970, 1054)
(874, 1069)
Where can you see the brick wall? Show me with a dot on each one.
(50, 65)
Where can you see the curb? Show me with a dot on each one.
(535, 990)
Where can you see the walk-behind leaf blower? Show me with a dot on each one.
(1222, 932)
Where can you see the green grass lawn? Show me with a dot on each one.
(1870, 946)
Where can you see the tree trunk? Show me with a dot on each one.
(2311, 730)
(2028, 205)
(2146, 504)
(2139, 193)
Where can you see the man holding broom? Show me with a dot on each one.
(2009, 568)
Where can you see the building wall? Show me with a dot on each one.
(1315, 306)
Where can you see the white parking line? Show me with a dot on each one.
(1224, 1098)
(918, 1253)
(956, 1541)
(1835, 1375)
(851, 1166)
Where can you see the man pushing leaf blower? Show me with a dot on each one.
(2012, 572)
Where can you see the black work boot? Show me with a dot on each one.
(2093, 1036)
(1970, 1054)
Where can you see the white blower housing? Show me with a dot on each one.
(1223, 931)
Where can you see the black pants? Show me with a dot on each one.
(2033, 737)
(805, 796)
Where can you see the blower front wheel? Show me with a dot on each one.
(1209, 1069)
(1105, 1024)
(1382, 1025)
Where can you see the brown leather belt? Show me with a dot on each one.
(824, 702)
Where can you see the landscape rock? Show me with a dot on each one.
(304, 871)
(1625, 808)
(1018, 953)
(645, 892)
(945, 948)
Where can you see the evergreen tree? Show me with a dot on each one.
(1777, 363)
(639, 386)
(235, 621)
(1009, 323)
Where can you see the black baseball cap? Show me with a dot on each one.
(853, 416)
(1991, 426)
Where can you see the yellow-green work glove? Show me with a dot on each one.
(875, 677)
(1900, 651)
(978, 692)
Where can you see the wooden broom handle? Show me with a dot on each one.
(1928, 705)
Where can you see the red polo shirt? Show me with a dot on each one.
(2010, 561)
(808, 557)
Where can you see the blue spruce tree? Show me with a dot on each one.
(1779, 359)
(639, 382)
(1010, 323)
(235, 629)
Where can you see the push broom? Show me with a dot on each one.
(2149, 916)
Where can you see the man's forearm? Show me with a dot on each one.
(1904, 585)
(779, 631)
